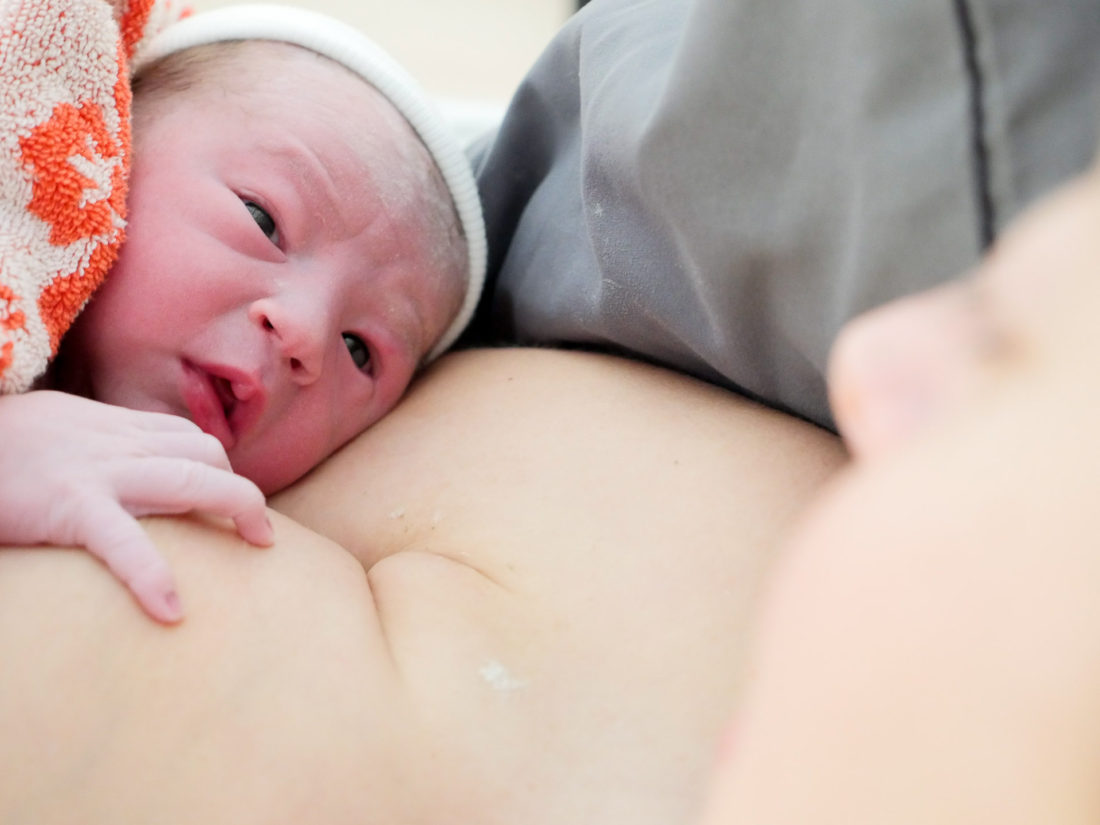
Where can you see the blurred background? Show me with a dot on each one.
(473, 50)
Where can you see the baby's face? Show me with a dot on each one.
(271, 288)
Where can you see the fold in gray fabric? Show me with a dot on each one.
(718, 185)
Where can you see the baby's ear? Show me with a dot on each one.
(141, 20)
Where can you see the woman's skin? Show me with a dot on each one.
(562, 555)
(930, 649)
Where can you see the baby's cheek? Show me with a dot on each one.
(389, 389)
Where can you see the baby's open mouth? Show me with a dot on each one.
(225, 401)
(240, 396)
(223, 388)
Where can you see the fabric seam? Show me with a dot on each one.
(987, 218)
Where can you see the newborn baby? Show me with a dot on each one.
(303, 236)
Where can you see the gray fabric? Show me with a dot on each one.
(718, 185)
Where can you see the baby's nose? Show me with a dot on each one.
(298, 332)
(900, 366)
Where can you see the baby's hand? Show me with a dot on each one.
(78, 472)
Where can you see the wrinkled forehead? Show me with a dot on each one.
(279, 72)
(288, 92)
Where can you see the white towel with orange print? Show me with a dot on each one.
(64, 163)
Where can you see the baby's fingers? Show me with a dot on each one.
(193, 446)
(172, 485)
(114, 536)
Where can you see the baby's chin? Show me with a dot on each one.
(275, 471)
(275, 460)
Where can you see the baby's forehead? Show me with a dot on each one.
(273, 80)
(268, 64)
(254, 74)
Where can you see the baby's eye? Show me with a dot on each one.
(360, 354)
(263, 220)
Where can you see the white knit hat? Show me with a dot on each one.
(346, 45)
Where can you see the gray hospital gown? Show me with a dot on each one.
(718, 185)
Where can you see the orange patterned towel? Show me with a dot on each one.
(64, 163)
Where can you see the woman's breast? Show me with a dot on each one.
(565, 550)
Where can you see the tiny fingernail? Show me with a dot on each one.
(270, 530)
(173, 611)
